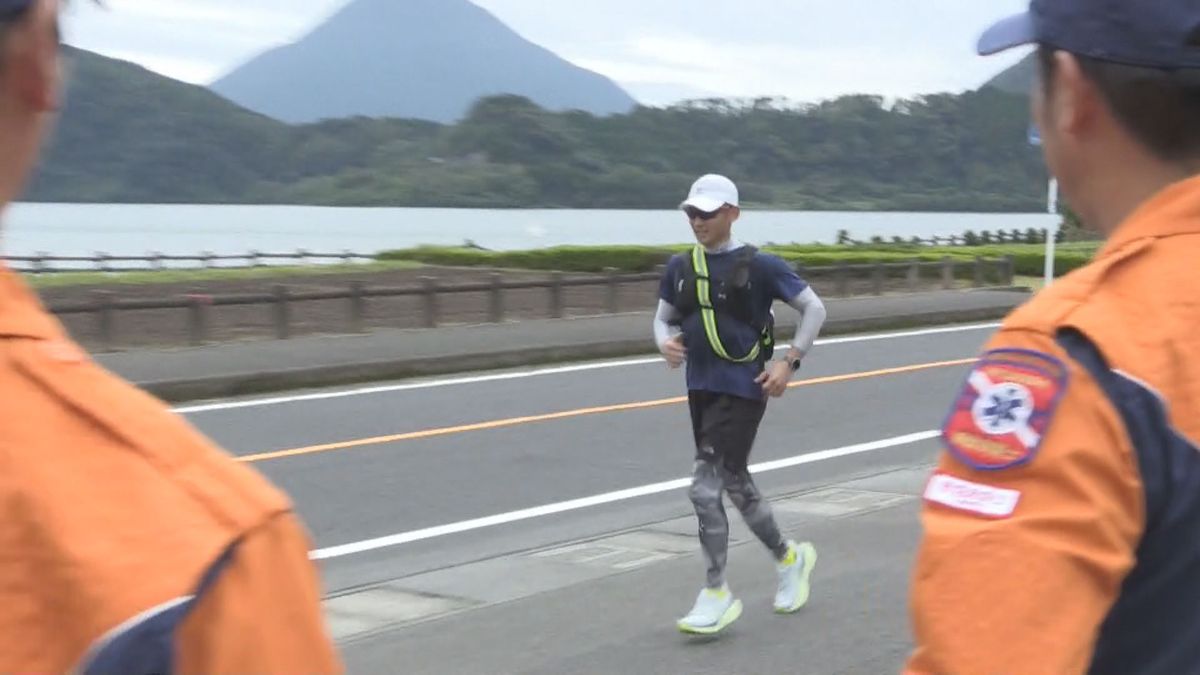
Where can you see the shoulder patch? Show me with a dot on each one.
(1005, 408)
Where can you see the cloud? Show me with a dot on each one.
(802, 49)
(192, 40)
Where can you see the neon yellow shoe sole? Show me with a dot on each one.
(730, 615)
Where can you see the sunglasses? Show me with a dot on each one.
(694, 213)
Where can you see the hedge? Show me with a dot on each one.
(1028, 259)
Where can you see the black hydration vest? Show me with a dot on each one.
(728, 299)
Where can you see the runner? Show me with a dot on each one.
(714, 313)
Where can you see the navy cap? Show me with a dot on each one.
(1150, 33)
(11, 8)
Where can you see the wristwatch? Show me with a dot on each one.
(794, 364)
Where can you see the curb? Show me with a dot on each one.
(244, 384)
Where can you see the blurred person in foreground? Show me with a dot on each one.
(128, 543)
(1062, 528)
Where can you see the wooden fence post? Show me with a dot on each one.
(614, 290)
(358, 307)
(429, 293)
(198, 304)
(283, 313)
(556, 295)
(105, 318)
(496, 299)
(842, 279)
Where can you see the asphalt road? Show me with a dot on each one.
(537, 521)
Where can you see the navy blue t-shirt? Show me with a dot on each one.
(771, 279)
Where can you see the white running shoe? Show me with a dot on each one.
(715, 609)
(794, 573)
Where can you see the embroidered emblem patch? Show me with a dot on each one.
(1005, 409)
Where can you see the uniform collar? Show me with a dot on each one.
(1172, 211)
(21, 312)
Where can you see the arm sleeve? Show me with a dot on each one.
(812, 318)
(263, 614)
(663, 330)
(1019, 566)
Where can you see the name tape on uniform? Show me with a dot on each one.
(965, 495)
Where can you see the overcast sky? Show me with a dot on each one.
(659, 50)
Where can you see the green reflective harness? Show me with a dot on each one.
(708, 314)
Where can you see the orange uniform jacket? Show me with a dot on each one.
(128, 544)
(1062, 528)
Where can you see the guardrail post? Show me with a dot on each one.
(842, 279)
(430, 295)
(1010, 270)
(157, 261)
(914, 275)
(978, 272)
(105, 319)
(347, 257)
(358, 307)
(253, 259)
(877, 278)
(947, 273)
(282, 312)
(614, 290)
(39, 262)
(303, 256)
(102, 262)
(556, 295)
(198, 304)
(496, 299)
(208, 260)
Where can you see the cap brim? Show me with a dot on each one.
(706, 204)
(1015, 31)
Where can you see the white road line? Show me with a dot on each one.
(607, 498)
(478, 379)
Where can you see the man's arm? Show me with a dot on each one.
(1031, 520)
(263, 613)
(812, 319)
(668, 337)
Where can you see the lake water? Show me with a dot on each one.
(122, 229)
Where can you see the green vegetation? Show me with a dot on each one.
(1028, 259)
(130, 135)
(170, 276)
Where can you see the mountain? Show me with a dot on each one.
(1018, 79)
(425, 59)
(127, 134)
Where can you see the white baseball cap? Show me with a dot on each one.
(710, 192)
